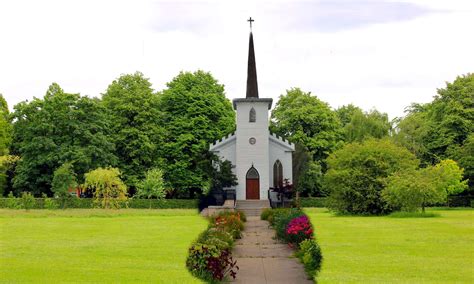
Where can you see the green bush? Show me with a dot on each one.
(74, 202)
(27, 200)
(11, 202)
(219, 238)
(49, 203)
(313, 202)
(310, 255)
(266, 214)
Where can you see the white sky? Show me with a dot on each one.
(371, 53)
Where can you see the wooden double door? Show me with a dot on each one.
(252, 185)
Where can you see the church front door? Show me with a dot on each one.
(252, 184)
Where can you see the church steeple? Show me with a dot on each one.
(252, 86)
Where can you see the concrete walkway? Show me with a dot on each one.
(261, 259)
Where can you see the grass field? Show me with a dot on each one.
(136, 246)
(106, 246)
(396, 250)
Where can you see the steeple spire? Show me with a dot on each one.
(252, 86)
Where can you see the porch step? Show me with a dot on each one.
(252, 207)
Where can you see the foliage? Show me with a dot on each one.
(229, 222)
(87, 203)
(265, 215)
(195, 114)
(48, 203)
(152, 185)
(211, 264)
(440, 129)
(357, 174)
(304, 119)
(7, 167)
(313, 202)
(280, 220)
(5, 127)
(59, 128)
(12, 201)
(210, 257)
(135, 114)
(346, 112)
(310, 255)
(64, 179)
(222, 175)
(299, 229)
(365, 125)
(108, 188)
(27, 200)
(415, 189)
(310, 181)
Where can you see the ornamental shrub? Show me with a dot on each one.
(228, 221)
(27, 200)
(210, 263)
(298, 230)
(282, 218)
(266, 214)
(310, 255)
(109, 190)
(217, 237)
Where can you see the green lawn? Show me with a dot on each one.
(119, 246)
(115, 246)
(396, 250)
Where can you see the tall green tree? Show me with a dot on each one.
(195, 114)
(59, 128)
(308, 121)
(136, 128)
(5, 127)
(346, 112)
(64, 179)
(440, 129)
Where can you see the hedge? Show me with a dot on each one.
(131, 203)
(312, 201)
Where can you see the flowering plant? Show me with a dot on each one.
(299, 229)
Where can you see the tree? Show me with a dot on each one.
(136, 128)
(306, 120)
(358, 173)
(440, 129)
(195, 114)
(412, 189)
(5, 127)
(465, 157)
(222, 175)
(310, 180)
(346, 112)
(59, 128)
(64, 179)
(152, 185)
(109, 190)
(364, 125)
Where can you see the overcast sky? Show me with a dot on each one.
(382, 54)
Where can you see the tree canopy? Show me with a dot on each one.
(195, 114)
(59, 128)
(135, 122)
(5, 127)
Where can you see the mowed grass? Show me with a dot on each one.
(102, 246)
(396, 250)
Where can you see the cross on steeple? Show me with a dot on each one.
(250, 20)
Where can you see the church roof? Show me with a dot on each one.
(252, 86)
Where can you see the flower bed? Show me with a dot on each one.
(294, 227)
(210, 256)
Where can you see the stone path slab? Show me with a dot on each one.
(261, 259)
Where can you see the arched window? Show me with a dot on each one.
(277, 174)
(252, 115)
(252, 173)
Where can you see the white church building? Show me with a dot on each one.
(260, 159)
